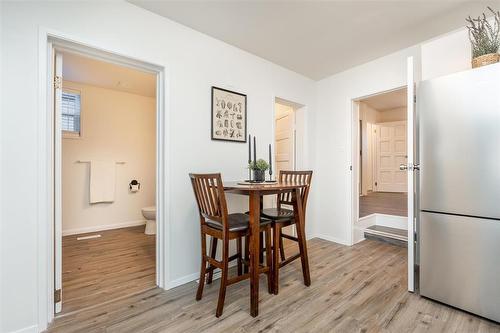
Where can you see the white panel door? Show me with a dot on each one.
(58, 63)
(284, 138)
(391, 152)
(410, 112)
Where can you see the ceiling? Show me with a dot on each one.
(77, 68)
(387, 101)
(319, 38)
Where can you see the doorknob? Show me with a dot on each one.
(403, 167)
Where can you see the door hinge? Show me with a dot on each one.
(350, 167)
(415, 99)
(57, 82)
(57, 296)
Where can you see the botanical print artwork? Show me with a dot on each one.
(229, 113)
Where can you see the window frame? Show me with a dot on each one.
(71, 134)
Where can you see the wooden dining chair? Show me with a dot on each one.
(283, 217)
(217, 223)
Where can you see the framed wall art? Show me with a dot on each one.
(229, 115)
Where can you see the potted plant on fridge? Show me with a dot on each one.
(259, 169)
(484, 38)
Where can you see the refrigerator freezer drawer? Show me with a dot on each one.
(460, 262)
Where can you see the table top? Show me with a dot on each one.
(263, 187)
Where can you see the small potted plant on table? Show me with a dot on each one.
(259, 170)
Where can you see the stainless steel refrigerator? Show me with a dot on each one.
(459, 148)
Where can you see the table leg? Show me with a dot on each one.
(254, 206)
(261, 239)
(301, 235)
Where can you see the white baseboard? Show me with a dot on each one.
(392, 221)
(29, 329)
(195, 277)
(85, 230)
(182, 280)
(330, 239)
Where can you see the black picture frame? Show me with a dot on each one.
(226, 109)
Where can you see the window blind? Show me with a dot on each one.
(70, 111)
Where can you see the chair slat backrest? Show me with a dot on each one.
(209, 192)
(295, 177)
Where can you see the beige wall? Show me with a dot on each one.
(397, 114)
(368, 117)
(116, 126)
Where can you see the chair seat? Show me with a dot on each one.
(278, 214)
(237, 222)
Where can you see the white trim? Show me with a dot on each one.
(385, 220)
(330, 239)
(29, 329)
(183, 280)
(45, 187)
(126, 224)
(410, 161)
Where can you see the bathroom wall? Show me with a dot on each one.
(116, 126)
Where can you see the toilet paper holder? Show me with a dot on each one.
(134, 185)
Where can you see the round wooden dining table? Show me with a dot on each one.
(255, 192)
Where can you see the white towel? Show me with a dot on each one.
(102, 181)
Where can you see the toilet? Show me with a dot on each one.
(149, 214)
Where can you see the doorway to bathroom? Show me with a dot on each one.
(105, 167)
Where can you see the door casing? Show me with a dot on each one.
(49, 41)
(355, 163)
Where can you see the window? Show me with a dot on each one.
(71, 112)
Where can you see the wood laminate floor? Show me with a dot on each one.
(121, 262)
(354, 289)
(391, 203)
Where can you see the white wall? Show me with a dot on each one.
(333, 122)
(446, 54)
(116, 126)
(443, 55)
(193, 62)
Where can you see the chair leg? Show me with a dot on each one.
(223, 279)
(276, 259)
(269, 261)
(282, 249)
(213, 252)
(203, 268)
(247, 254)
(240, 256)
(261, 248)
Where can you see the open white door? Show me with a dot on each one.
(58, 65)
(410, 167)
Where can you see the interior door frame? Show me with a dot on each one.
(48, 42)
(355, 169)
(298, 157)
